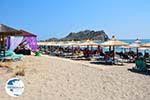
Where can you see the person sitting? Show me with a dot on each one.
(86, 53)
(140, 64)
(146, 56)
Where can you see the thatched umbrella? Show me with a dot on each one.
(61, 43)
(125, 47)
(51, 43)
(147, 45)
(89, 43)
(136, 44)
(112, 43)
(42, 43)
(72, 43)
(4, 32)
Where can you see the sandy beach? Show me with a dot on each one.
(53, 78)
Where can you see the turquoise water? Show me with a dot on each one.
(132, 40)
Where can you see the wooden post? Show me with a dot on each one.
(113, 53)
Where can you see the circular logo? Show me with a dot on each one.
(14, 87)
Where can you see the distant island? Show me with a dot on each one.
(83, 35)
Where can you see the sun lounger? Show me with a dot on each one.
(10, 55)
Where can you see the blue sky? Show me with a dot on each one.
(56, 18)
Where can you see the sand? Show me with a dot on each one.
(52, 78)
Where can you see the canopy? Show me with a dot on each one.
(6, 30)
(114, 42)
(26, 38)
(26, 34)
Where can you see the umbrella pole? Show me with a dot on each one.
(72, 50)
(109, 48)
(88, 47)
(113, 53)
(91, 47)
(144, 51)
(137, 52)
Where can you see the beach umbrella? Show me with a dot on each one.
(89, 43)
(39, 43)
(144, 49)
(136, 44)
(112, 43)
(137, 41)
(42, 43)
(61, 43)
(51, 43)
(72, 43)
(125, 47)
(147, 45)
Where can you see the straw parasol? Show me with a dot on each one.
(147, 45)
(112, 43)
(51, 43)
(136, 44)
(41, 43)
(61, 43)
(72, 43)
(89, 43)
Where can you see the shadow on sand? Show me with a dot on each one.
(139, 72)
(103, 63)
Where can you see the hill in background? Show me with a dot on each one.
(84, 35)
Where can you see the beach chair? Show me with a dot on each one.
(13, 54)
(10, 55)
